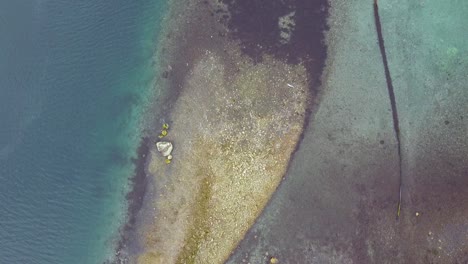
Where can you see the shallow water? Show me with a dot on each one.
(338, 203)
(74, 79)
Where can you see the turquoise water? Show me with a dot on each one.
(75, 77)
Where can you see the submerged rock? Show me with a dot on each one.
(164, 147)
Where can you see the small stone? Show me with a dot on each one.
(169, 157)
(417, 213)
(164, 147)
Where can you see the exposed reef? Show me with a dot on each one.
(235, 132)
(240, 109)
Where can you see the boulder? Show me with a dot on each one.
(164, 147)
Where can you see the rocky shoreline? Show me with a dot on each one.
(241, 101)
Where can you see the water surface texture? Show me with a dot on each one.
(284, 131)
(74, 76)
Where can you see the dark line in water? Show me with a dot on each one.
(135, 201)
(396, 126)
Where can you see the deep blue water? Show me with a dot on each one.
(74, 77)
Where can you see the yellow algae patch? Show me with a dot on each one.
(234, 126)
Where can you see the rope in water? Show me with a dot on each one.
(396, 126)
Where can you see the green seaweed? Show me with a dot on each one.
(199, 230)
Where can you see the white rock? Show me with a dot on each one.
(164, 147)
